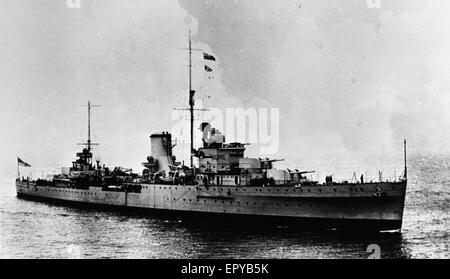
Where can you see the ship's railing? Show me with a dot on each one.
(369, 177)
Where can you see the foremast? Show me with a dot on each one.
(84, 161)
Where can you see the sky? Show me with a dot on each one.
(350, 81)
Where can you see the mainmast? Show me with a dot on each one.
(89, 126)
(406, 165)
(191, 100)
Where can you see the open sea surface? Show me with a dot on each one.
(30, 229)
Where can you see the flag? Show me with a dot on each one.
(208, 69)
(207, 56)
(22, 163)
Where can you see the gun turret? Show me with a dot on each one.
(268, 163)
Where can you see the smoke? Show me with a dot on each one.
(351, 81)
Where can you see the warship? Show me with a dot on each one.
(224, 183)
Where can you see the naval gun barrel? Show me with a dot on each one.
(305, 172)
(270, 160)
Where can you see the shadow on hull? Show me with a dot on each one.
(226, 221)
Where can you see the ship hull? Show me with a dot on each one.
(374, 206)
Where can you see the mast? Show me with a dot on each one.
(406, 166)
(191, 101)
(89, 126)
(89, 143)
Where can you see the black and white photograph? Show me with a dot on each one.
(225, 129)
